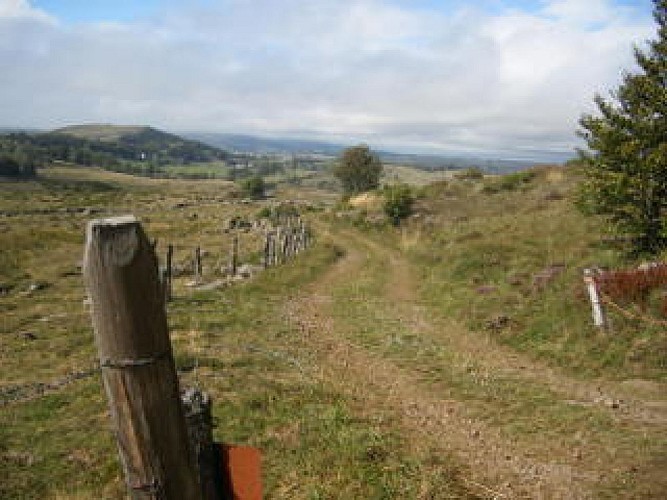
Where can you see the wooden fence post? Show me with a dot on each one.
(234, 260)
(267, 250)
(279, 246)
(197, 265)
(168, 273)
(199, 422)
(138, 370)
(599, 319)
(284, 243)
(274, 254)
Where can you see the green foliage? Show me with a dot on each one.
(358, 170)
(471, 173)
(254, 187)
(625, 169)
(509, 182)
(398, 202)
(11, 166)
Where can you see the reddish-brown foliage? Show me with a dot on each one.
(635, 285)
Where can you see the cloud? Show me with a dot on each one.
(510, 82)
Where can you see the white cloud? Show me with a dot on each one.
(354, 69)
(21, 9)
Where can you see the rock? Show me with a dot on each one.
(37, 286)
(214, 285)
(498, 323)
(247, 270)
(28, 336)
(486, 289)
(545, 277)
(5, 289)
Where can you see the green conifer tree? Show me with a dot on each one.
(625, 167)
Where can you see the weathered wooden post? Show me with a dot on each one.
(138, 371)
(267, 250)
(274, 257)
(199, 423)
(283, 245)
(197, 265)
(234, 259)
(304, 243)
(168, 273)
(599, 318)
(279, 246)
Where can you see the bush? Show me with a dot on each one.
(472, 173)
(254, 187)
(509, 182)
(398, 201)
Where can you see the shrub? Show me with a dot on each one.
(398, 201)
(254, 187)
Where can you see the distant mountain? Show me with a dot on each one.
(260, 145)
(130, 149)
(140, 143)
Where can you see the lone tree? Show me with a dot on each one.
(359, 170)
(254, 187)
(625, 168)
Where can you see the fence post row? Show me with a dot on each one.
(138, 370)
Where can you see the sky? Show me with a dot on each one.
(504, 78)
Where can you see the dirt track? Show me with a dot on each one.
(496, 463)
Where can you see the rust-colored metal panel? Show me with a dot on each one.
(241, 471)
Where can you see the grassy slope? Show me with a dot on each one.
(319, 365)
(486, 243)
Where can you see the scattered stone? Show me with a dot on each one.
(214, 285)
(486, 289)
(545, 277)
(28, 336)
(498, 323)
(248, 270)
(68, 273)
(90, 211)
(37, 286)
(553, 196)
(5, 289)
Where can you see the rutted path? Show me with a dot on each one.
(496, 464)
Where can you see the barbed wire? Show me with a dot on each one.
(632, 315)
